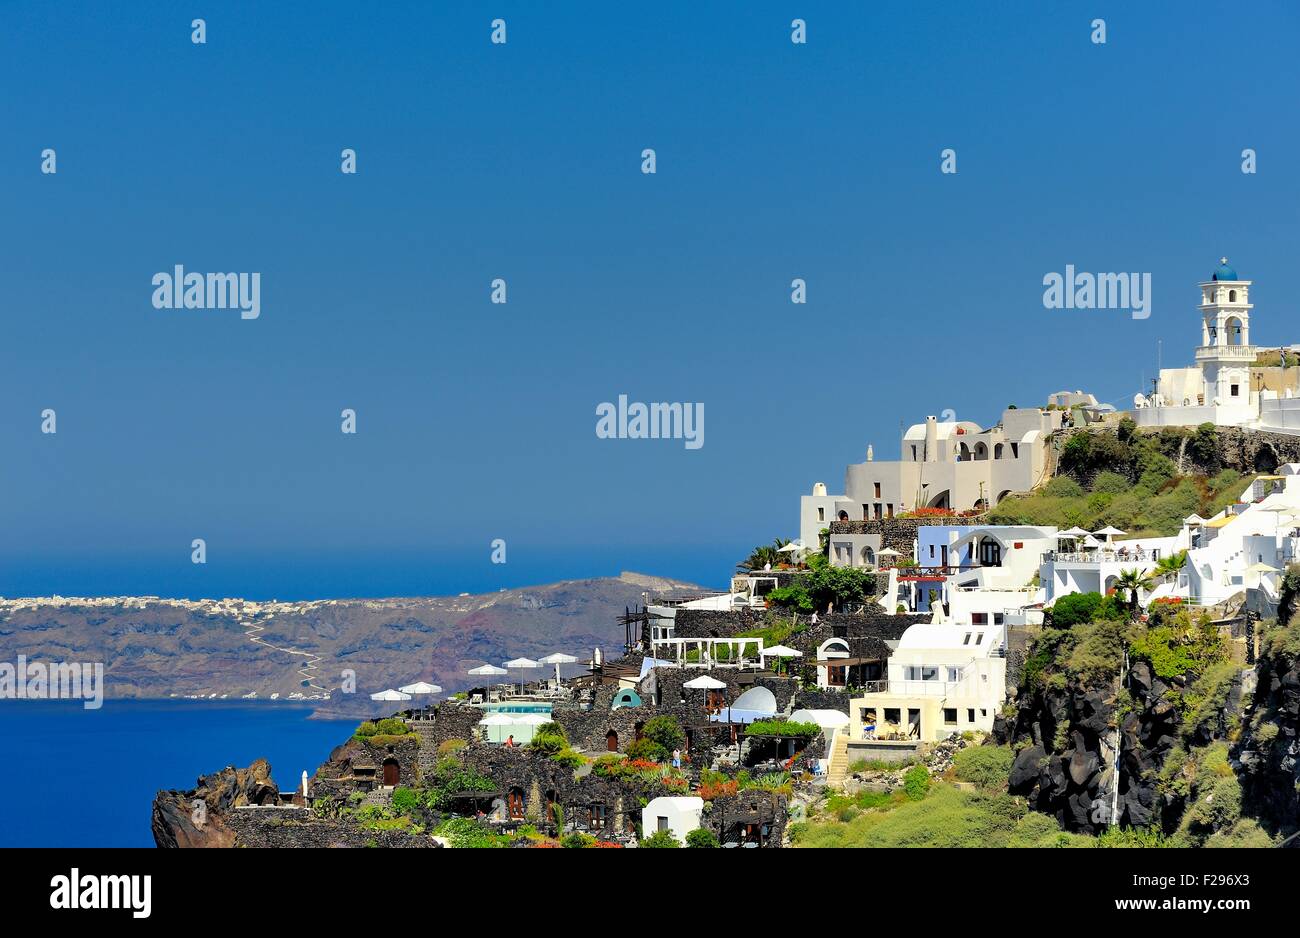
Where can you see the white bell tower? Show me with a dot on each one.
(1225, 354)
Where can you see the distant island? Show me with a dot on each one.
(235, 649)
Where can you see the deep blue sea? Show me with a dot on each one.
(86, 778)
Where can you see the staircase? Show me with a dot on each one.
(837, 764)
(428, 745)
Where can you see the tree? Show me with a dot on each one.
(661, 839)
(760, 557)
(1168, 568)
(1132, 582)
(665, 731)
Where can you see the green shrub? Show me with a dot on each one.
(367, 728)
(552, 729)
(702, 837)
(646, 749)
(985, 766)
(666, 731)
(779, 727)
(391, 726)
(577, 840)
(916, 782)
(661, 839)
(405, 800)
(568, 758)
(548, 743)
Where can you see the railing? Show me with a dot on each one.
(910, 688)
(1101, 556)
(1233, 352)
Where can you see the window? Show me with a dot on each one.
(979, 618)
(821, 514)
(979, 639)
(879, 512)
(866, 512)
(931, 551)
(1235, 389)
(954, 674)
(889, 510)
(990, 553)
(892, 715)
(922, 672)
(914, 453)
(970, 716)
(949, 716)
(515, 802)
(877, 490)
(966, 640)
(661, 823)
(999, 618)
(1015, 450)
(1232, 296)
(596, 817)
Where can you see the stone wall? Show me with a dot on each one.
(280, 827)
(899, 533)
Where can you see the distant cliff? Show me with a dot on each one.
(156, 648)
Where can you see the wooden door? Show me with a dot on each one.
(392, 773)
(611, 741)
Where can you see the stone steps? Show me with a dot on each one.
(837, 765)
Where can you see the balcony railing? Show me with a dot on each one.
(1240, 353)
(1101, 556)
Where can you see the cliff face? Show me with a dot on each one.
(1268, 754)
(198, 817)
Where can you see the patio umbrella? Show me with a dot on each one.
(1262, 569)
(781, 651)
(486, 670)
(557, 659)
(704, 682)
(1072, 533)
(497, 719)
(532, 719)
(522, 664)
(1091, 543)
(888, 552)
(1108, 532)
(420, 687)
(390, 695)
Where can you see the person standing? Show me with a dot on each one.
(677, 758)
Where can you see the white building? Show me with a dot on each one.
(679, 815)
(1225, 386)
(943, 679)
(952, 464)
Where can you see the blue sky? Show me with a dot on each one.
(476, 421)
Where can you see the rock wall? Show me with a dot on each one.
(1268, 754)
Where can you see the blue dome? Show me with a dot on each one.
(1224, 272)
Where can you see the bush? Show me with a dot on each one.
(405, 800)
(391, 726)
(985, 766)
(647, 750)
(666, 731)
(551, 729)
(577, 840)
(367, 728)
(1069, 611)
(548, 743)
(661, 839)
(568, 758)
(702, 837)
(780, 727)
(916, 782)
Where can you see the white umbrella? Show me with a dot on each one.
(532, 719)
(390, 695)
(557, 659)
(522, 664)
(1108, 531)
(486, 670)
(1073, 533)
(782, 651)
(792, 548)
(1091, 542)
(888, 552)
(704, 682)
(498, 719)
(420, 687)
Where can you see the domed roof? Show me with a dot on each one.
(1224, 272)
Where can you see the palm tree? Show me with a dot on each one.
(760, 557)
(1168, 568)
(1133, 581)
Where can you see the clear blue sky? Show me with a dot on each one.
(479, 161)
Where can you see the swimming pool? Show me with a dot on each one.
(522, 732)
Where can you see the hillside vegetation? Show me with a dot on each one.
(1129, 480)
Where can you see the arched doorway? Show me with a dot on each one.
(392, 773)
(1266, 458)
(611, 741)
(515, 804)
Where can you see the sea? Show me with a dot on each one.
(86, 778)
